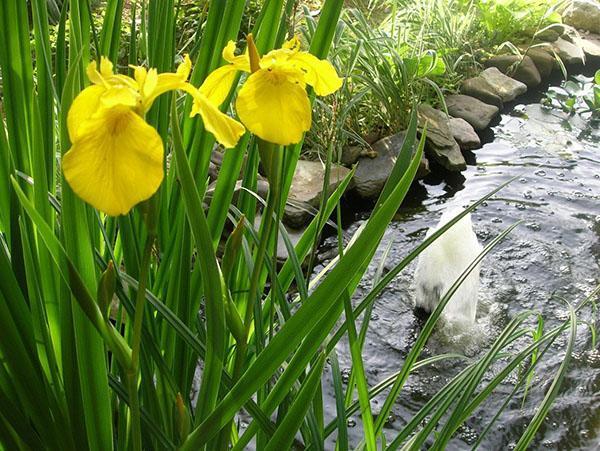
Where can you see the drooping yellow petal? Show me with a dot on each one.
(227, 131)
(320, 74)
(115, 162)
(241, 62)
(83, 107)
(274, 108)
(217, 85)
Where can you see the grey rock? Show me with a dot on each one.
(305, 191)
(440, 144)
(351, 154)
(474, 111)
(479, 88)
(506, 87)
(464, 134)
(372, 173)
(583, 15)
(543, 60)
(568, 52)
(549, 35)
(216, 161)
(517, 67)
(262, 189)
(590, 44)
(294, 234)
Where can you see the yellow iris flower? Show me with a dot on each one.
(116, 158)
(273, 103)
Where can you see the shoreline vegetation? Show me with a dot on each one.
(152, 155)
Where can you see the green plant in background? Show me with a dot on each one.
(155, 329)
(508, 20)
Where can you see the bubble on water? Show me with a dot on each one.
(345, 375)
(527, 195)
(351, 422)
(540, 172)
(534, 226)
(496, 220)
(523, 180)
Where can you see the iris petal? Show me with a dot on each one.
(274, 108)
(320, 74)
(115, 162)
(217, 85)
(242, 62)
(83, 107)
(227, 130)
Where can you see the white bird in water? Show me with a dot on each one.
(442, 263)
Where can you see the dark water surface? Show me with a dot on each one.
(553, 257)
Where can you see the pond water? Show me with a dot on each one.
(553, 256)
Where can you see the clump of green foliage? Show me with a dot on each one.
(579, 95)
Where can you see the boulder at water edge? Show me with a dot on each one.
(372, 173)
(440, 144)
(519, 68)
(479, 88)
(305, 192)
(504, 86)
(474, 111)
(464, 134)
(568, 52)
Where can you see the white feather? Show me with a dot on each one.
(442, 263)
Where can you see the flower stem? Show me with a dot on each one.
(140, 302)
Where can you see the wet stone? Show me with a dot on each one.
(373, 171)
(543, 60)
(472, 110)
(505, 87)
(568, 52)
(464, 134)
(440, 142)
(520, 68)
(590, 44)
(305, 192)
(481, 89)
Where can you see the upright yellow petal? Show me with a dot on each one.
(241, 62)
(227, 131)
(320, 74)
(184, 69)
(293, 44)
(150, 83)
(106, 67)
(217, 85)
(93, 75)
(83, 107)
(274, 108)
(115, 162)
